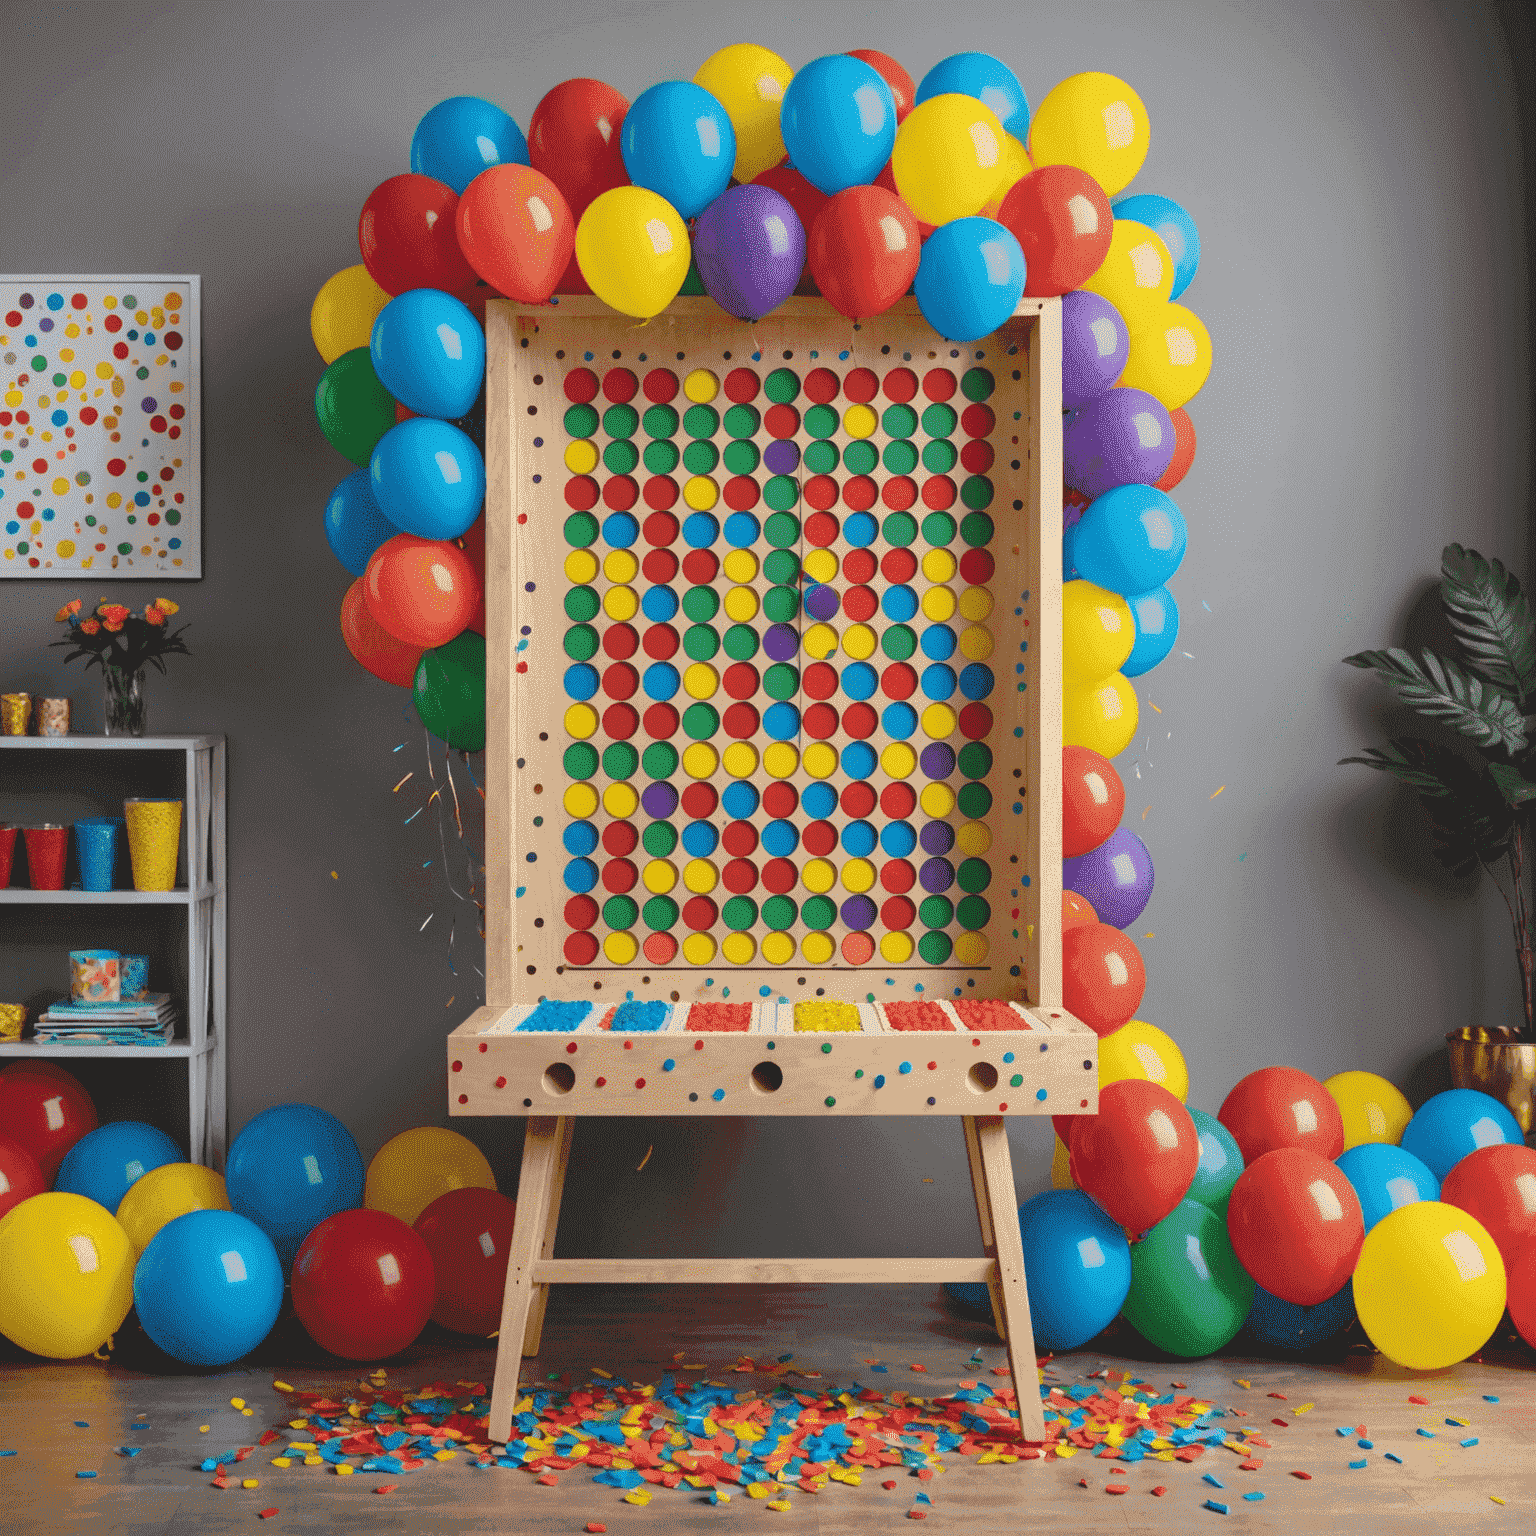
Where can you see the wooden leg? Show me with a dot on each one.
(984, 1217)
(565, 1126)
(997, 1171)
(541, 1147)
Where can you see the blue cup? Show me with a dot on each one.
(134, 973)
(97, 839)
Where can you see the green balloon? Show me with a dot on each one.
(450, 691)
(1189, 1295)
(355, 410)
(693, 283)
(1220, 1164)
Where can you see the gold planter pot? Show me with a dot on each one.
(1496, 1062)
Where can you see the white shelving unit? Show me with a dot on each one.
(204, 898)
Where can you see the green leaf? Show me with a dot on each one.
(1441, 690)
(1513, 784)
(1490, 617)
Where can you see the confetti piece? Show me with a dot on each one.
(1280, 1395)
(595, 1528)
(129, 1450)
(644, 1160)
(237, 1402)
(1221, 1509)
(266, 1514)
(889, 1483)
(1244, 1384)
(85, 1474)
(915, 1367)
(1215, 1482)
(1283, 1423)
(1393, 1456)
(1306, 1477)
(1488, 1399)
(1159, 1491)
(1471, 1440)
(1213, 795)
(1357, 1465)
(1344, 1431)
(1428, 1434)
(1254, 1497)
(281, 1386)
(1366, 1445)
(1304, 1408)
(1249, 1466)
(1459, 1423)
(1497, 1500)
(1117, 1488)
(1421, 1401)
(343, 1469)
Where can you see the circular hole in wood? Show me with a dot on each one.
(558, 1079)
(982, 1078)
(767, 1077)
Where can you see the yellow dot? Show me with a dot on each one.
(741, 604)
(114, 500)
(896, 948)
(778, 949)
(780, 760)
(860, 421)
(818, 876)
(858, 876)
(620, 566)
(817, 948)
(738, 948)
(700, 876)
(820, 565)
(698, 949)
(61, 486)
(701, 493)
(820, 760)
(580, 801)
(938, 565)
(975, 837)
(938, 603)
(620, 603)
(620, 948)
(938, 721)
(740, 760)
(739, 565)
(700, 760)
(937, 799)
(701, 386)
(660, 875)
(77, 379)
(66, 548)
(975, 642)
(700, 681)
(820, 641)
(14, 397)
(71, 330)
(898, 760)
(580, 567)
(971, 948)
(975, 604)
(580, 721)
(109, 301)
(103, 370)
(859, 642)
(620, 800)
(581, 456)
(67, 354)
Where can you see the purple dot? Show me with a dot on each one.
(659, 800)
(528, 586)
(45, 324)
(937, 837)
(937, 761)
(821, 602)
(859, 912)
(781, 457)
(780, 642)
(148, 404)
(936, 875)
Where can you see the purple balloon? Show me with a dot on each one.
(1123, 438)
(1115, 879)
(1095, 342)
(750, 246)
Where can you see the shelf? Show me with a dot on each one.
(110, 743)
(21, 896)
(12, 1049)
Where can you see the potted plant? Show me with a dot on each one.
(1476, 777)
(122, 643)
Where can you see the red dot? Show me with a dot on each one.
(819, 680)
(741, 722)
(898, 800)
(1002, 1106)
(699, 913)
(501, 1082)
(860, 603)
(977, 566)
(861, 386)
(463, 1098)
(779, 876)
(87, 415)
(740, 385)
(898, 681)
(780, 799)
(172, 340)
(859, 565)
(620, 681)
(661, 493)
(782, 421)
(820, 492)
(661, 722)
(115, 466)
(740, 680)
(153, 519)
(619, 385)
(158, 424)
(619, 839)
(939, 493)
(860, 493)
(699, 801)
(820, 721)
(739, 876)
(739, 839)
(976, 456)
(977, 420)
(619, 876)
(13, 317)
(858, 948)
(78, 301)
(40, 466)
(580, 912)
(741, 493)
(660, 642)
(639, 1081)
(700, 567)
(860, 720)
(621, 721)
(620, 492)
(113, 323)
(900, 385)
(660, 529)
(580, 949)
(898, 913)
(698, 1045)
(858, 798)
(897, 875)
(938, 384)
(821, 386)
(821, 528)
(660, 948)
(178, 411)
(580, 383)
(898, 566)
(601, 1082)
(660, 385)
(976, 722)
(620, 641)
(580, 493)
(819, 838)
(659, 565)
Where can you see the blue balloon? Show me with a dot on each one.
(105, 1163)
(969, 279)
(838, 118)
(1172, 225)
(209, 1287)
(1157, 627)
(678, 141)
(989, 80)
(1386, 1177)
(462, 136)
(429, 353)
(1456, 1123)
(290, 1168)
(354, 526)
(1285, 1325)
(1220, 1165)
(1077, 1264)
(428, 478)
(1130, 539)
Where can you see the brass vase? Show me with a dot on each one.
(1496, 1062)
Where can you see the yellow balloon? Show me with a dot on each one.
(1372, 1108)
(1142, 1050)
(949, 157)
(1170, 354)
(632, 248)
(1429, 1285)
(66, 1275)
(1097, 631)
(749, 82)
(1061, 1170)
(1136, 275)
(412, 1169)
(341, 318)
(1101, 716)
(165, 1193)
(1016, 161)
(1096, 122)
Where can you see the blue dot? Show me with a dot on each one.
(741, 530)
(580, 837)
(580, 876)
(659, 604)
(780, 839)
(859, 760)
(739, 799)
(581, 681)
(55, 301)
(899, 603)
(59, 418)
(13, 527)
(860, 529)
(938, 642)
(781, 721)
(858, 839)
(905, 1068)
(880, 1081)
(860, 680)
(142, 499)
(1040, 1094)
(620, 530)
(699, 839)
(976, 681)
(819, 800)
(718, 1094)
(938, 681)
(1007, 1055)
(668, 1064)
(700, 530)
(174, 543)
(899, 721)
(47, 514)
(661, 680)
(898, 839)
(149, 337)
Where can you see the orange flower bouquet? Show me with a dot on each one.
(122, 643)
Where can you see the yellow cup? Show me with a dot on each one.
(154, 840)
(12, 1017)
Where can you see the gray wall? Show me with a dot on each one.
(1356, 172)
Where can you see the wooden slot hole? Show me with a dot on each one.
(982, 1078)
(767, 1077)
(559, 1078)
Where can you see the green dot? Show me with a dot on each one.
(938, 528)
(741, 642)
(659, 760)
(782, 385)
(899, 421)
(742, 421)
(172, 516)
(580, 530)
(700, 457)
(624, 421)
(976, 492)
(620, 760)
(898, 642)
(781, 565)
(701, 642)
(139, 373)
(661, 457)
(860, 458)
(60, 379)
(581, 421)
(581, 604)
(780, 681)
(1016, 1081)
(939, 420)
(580, 760)
(39, 363)
(659, 839)
(741, 457)
(581, 642)
(820, 421)
(660, 913)
(974, 800)
(973, 875)
(859, 1072)
(782, 529)
(620, 912)
(939, 456)
(781, 493)
(701, 421)
(700, 603)
(700, 721)
(739, 912)
(819, 912)
(900, 529)
(621, 458)
(976, 529)
(659, 421)
(826, 1050)
(830, 1100)
(973, 913)
(821, 458)
(934, 948)
(781, 604)
(780, 912)
(977, 384)
(975, 760)
(936, 912)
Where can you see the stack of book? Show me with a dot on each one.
(150, 1021)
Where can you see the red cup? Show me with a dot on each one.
(7, 853)
(47, 846)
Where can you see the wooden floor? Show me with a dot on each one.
(636, 1332)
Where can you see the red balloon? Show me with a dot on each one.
(472, 542)
(1102, 977)
(573, 138)
(1138, 1156)
(516, 231)
(468, 1232)
(1061, 217)
(1076, 912)
(1497, 1185)
(363, 1285)
(1282, 1107)
(1521, 1279)
(389, 659)
(1296, 1225)
(1183, 450)
(1092, 800)
(45, 1111)
(902, 85)
(20, 1176)
(887, 179)
(421, 591)
(863, 251)
(409, 239)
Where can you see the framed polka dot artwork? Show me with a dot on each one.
(100, 427)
